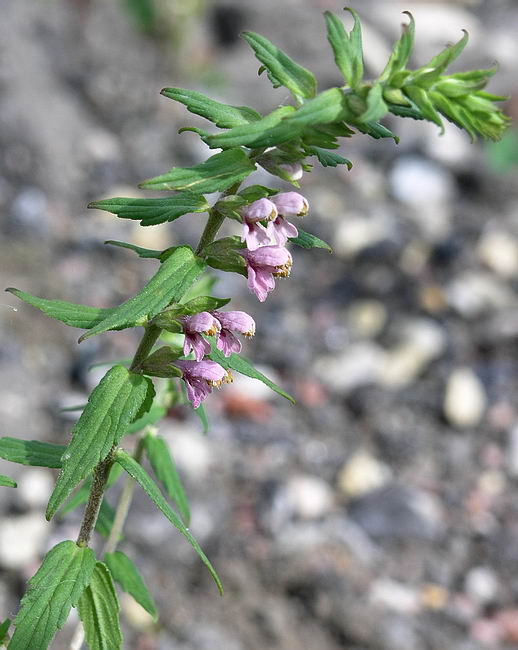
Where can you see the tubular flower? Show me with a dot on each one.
(294, 170)
(233, 321)
(264, 265)
(201, 377)
(254, 234)
(194, 327)
(289, 204)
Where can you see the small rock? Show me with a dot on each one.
(22, 540)
(303, 497)
(472, 294)
(191, 451)
(499, 251)
(366, 318)
(417, 182)
(359, 365)
(395, 596)
(465, 400)
(35, 486)
(29, 210)
(355, 234)
(362, 474)
(481, 584)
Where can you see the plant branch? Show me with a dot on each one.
(101, 473)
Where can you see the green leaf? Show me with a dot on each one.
(168, 284)
(282, 70)
(401, 52)
(105, 519)
(126, 574)
(146, 253)
(376, 107)
(154, 414)
(307, 240)
(202, 415)
(193, 306)
(347, 48)
(4, 629)
(164, 468)
(420, 98)
(111, 407)
(428, 74)
(216, 174)
(266, 132)
(161, 363)
(327, 107)
(254, 192)
(31, 452)
(223, 254)
(66, 312)
(151, 212)
(222, 115)
(99, 609)
(137, 472)
(240, 364)
(57, 587)
(203, 286)
(329, 158)
(376, 130)
(5, 481)
(406, 111)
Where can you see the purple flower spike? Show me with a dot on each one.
(194, 327)
(281, 229)
(233, 321)
(201, 377)
(254, 234)
(291, 204)
(264, 265)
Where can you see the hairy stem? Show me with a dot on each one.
(101, 473)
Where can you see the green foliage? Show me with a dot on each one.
(111, 407)
(105, 519)
(164, 467)
(137, 472)
(347, 48)
(329, 158)
(240, 364)
(223, 254)
(160, 363)
(168, 284)
(99, 609)
(5, 481)
(57, 587)
(151, 212)
(31, 452)
(193, 306)
(146, 253)
(307, 240)
(4, 629)
(216, 174)
(280, 68)
(401, 52)
(155, 413)
(126, 574)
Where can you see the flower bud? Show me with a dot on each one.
(290, 204)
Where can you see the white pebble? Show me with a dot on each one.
(465, 400)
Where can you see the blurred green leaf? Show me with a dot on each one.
(329, 158)
(126, 574)
(307, 240)
(347, 48)
(31, 452)
(401, 52)
(5, 481)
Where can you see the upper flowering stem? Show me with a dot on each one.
(233, 321)
(263, 265)
(288, 204)
(194, 327)
(254, 234)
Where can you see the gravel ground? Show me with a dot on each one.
(381, 512)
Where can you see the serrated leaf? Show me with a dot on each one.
(307, 240)
(4, 629)
(5, 481)
(347, 48)
(137, 472)
(329, 158)
(31, 452)
(255, 192)
(376, 107)
(111, 407)
(164, 467)
(327, 107)
(169, 283)
(266, 132)
(421, 99)
(428, 74)
(216, 174)
(401, 52)
(99, 609)
(154, 414)
(376, 130)
(405, 111)
(146, 253)
(126, 574)
(67, 312)
(57, 587)
(223, 115)
(151, 212)
(282, 70)
(240, 364)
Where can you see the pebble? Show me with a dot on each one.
(366, 318)
(395, 596)
(465, 400)
(357, 233)
(308, 497)
(473, 293)
(481, 584)
(359, 364)
(418, 182)
(35, 487)
(191, 451)
(29, 210)
(499, 251)
(362, 474)
(22, 539)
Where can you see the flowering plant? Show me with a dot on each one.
(132, 398)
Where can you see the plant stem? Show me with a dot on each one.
(101, 473)
(151, 334)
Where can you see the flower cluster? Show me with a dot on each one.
(266, 231)
(202, 375)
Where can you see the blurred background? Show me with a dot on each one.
(382, 512)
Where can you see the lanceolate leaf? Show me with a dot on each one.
(329, 158)
(164, 468)
(401, 52)
(282, 70)
(137, 472)
(105, 518)
(146, 253)
(428, 74)
(216, 174)
(347, 48)
(5, 481)
(111, 407)
(99, 610)
(57, 586)
(376, 107)
(151, 212)
(66, 312)
(154, 414)
(240, 364)
(375, 130)
(4, 629)
(126, 574)
(170, 282)
(420, 98)
(307, 240)
(31, 452)
(329, 106)
(222, 115)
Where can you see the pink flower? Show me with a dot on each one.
(294, 170)
(233, 321)
(264, 264)
(280, 230)
(201, 377)
(290, 204)
(254, 234)
(194, 327)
